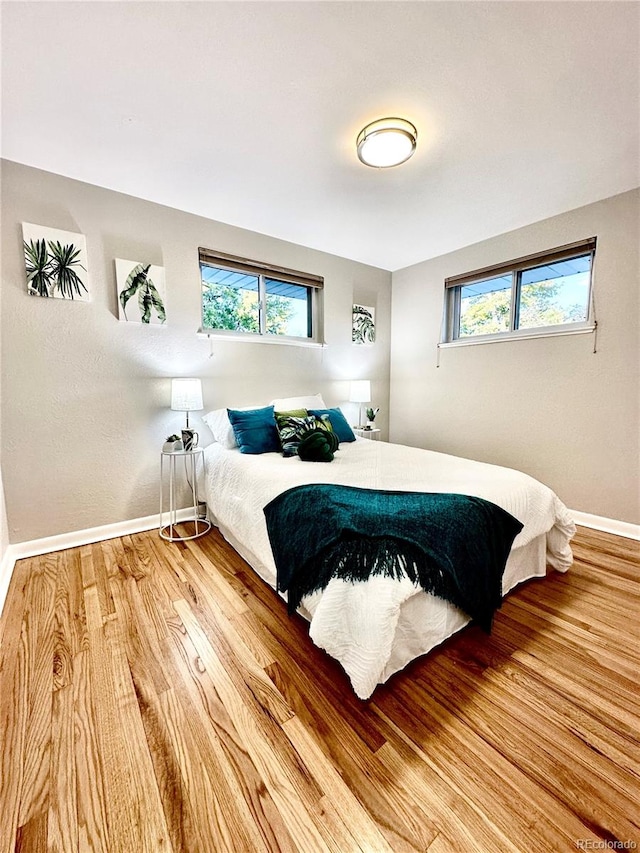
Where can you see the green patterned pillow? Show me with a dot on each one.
(323, 422)
(293, 425)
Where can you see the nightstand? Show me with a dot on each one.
(174, 467)
(371, 434)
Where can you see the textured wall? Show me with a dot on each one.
(548, 406)
(4, 529)
(85, 398)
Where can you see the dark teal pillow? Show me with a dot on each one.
(338, 422)
(255, 430)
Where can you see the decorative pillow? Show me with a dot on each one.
(338, 422)
(324, 422)
(285, 404)
(255, 430)
(331, 438)
(291, 413)
(315, 446)
(220, 425)
(291, 427)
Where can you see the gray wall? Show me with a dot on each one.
(548, 406)
(4, 529)
(85, 398)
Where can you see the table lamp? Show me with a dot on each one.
(360, 392)
(186, 396)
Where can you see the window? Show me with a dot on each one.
(243, 297)
(546, 293)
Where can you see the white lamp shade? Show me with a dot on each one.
(360, 391)
(186, 395)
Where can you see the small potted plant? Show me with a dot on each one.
(172, 443)
(371, 416)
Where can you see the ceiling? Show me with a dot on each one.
(247, 112)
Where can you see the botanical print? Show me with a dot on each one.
(55, 262)
(141, 292)
(364, 326)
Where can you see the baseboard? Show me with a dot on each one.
(6, 570)
(607, 525)
(74, 539)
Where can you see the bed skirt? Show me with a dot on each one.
(443, 620)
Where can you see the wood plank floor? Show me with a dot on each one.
(157, 697)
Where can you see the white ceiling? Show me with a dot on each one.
(247, 112)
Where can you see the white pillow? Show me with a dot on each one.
(220, 425)
(286, 404)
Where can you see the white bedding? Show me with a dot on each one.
(375, 628)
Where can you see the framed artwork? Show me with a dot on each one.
(55, 262)
(141, 293)
(363, 329)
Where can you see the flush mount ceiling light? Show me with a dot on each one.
(386, 142)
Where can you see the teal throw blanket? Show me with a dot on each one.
(453, 546)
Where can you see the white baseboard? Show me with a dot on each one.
(136, 525)
(6, 570)
(75, 538)
(607, 525)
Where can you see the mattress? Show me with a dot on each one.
(375, 628)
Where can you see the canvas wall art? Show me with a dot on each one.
(55, 263)
(141, 293)
(364, 324)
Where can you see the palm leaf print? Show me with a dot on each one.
(136, 278)
(38, 267)
(364, 330)
(66, 279)
(156, 301)
(138, 282)
(144, 303)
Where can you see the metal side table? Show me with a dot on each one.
(372, 434)
(170, 460)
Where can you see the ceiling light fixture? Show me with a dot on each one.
(386, 142)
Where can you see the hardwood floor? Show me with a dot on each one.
(157, 697)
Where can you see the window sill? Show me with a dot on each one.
(259, 339)
(517, 336)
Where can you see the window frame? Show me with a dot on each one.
(314, 285)
(515, 268)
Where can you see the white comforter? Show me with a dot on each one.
(357, 623)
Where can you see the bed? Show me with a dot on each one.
(376, 627)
